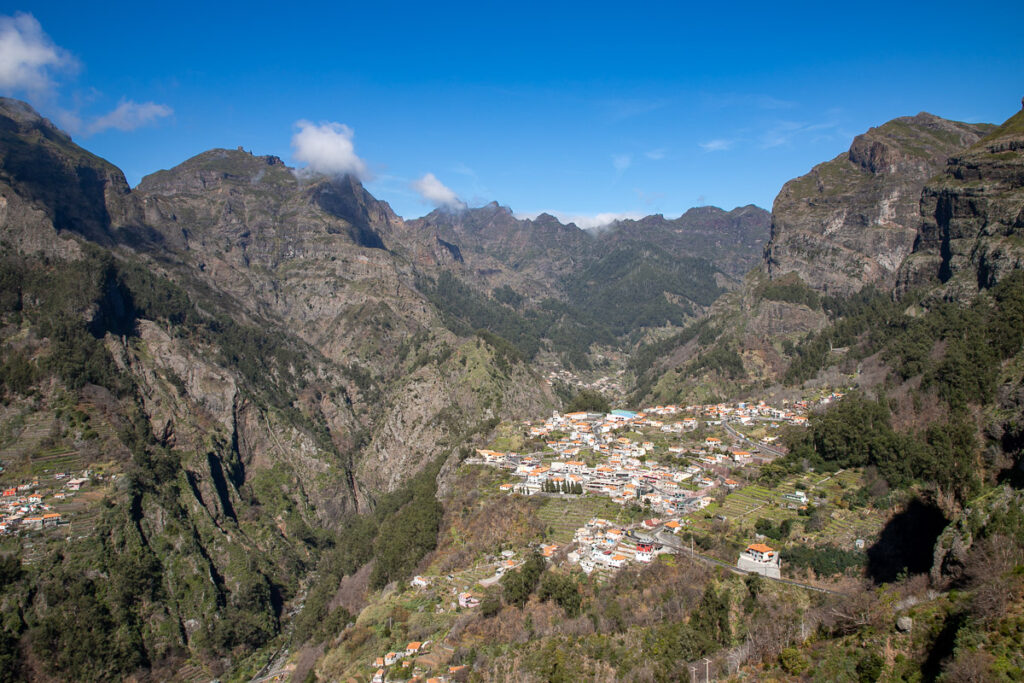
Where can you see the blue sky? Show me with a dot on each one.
(577, 109)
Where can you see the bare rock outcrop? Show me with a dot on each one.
(852, 221)
(972, 217)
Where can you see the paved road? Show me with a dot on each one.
(665, 538)
(736, 435)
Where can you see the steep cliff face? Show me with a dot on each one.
(852, 221)
(972, 229)
(309, 252)
(49, 183)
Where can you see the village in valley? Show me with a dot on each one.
(30, 506)
(619, 489)
(651, 460)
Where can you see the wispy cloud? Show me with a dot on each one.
(621, 162)
(31, 65)
(656, 154)
(584, 220)
(129, 115)
(717, 145)
(786, 132)
(746, 100)
(434, 192)
(622, 109)
(328, 149)
(29, 59)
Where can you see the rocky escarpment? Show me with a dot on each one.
(972, 229)
(732, 240)
(536, 255)
(491, 247)
(309, 252)
(49, 183)
(852, 221)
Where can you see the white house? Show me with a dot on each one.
(759, 558)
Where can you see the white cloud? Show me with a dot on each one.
(28, 58)
(327, 148)
(585, 221)
(435, 192)
(717, 145)
(656, 154)
(621, 162)
(29, 65)
(130, 115)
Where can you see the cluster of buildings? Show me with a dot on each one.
(664, 488)
(22, 507)
(605, 385)
(600, 544)
(411, 664)
(590, 454)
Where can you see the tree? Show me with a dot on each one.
(563, 591)
(711, 618)
(490, 605)
(518, 584)
(589, 401)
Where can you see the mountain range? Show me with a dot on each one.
(272, 378)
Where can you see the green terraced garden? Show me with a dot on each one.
(567, 515)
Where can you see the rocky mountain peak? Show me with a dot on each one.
(852, 221)
(46, 177)
(22, 114)
(220, 168)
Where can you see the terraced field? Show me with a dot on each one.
(52, 460)
(565, 515)
(27, 438)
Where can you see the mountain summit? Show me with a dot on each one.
(852, 221)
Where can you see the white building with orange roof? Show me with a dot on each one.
(759, 558)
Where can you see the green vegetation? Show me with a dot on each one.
(563, 591)
(628, 289)
(776, 532)
(857, 432)
(863, 312)
(518, 584)
(634, 286)
(789, 289)
(720, 359)
(399, 533)
(565, 487)
(553, 323)
(826, 560)
(1012, 126)
(410, 532)
(590, 401)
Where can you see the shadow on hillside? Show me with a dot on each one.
(907, 542)
(1013, 443)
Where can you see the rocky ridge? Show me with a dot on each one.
(852, 221)
(972, 217)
